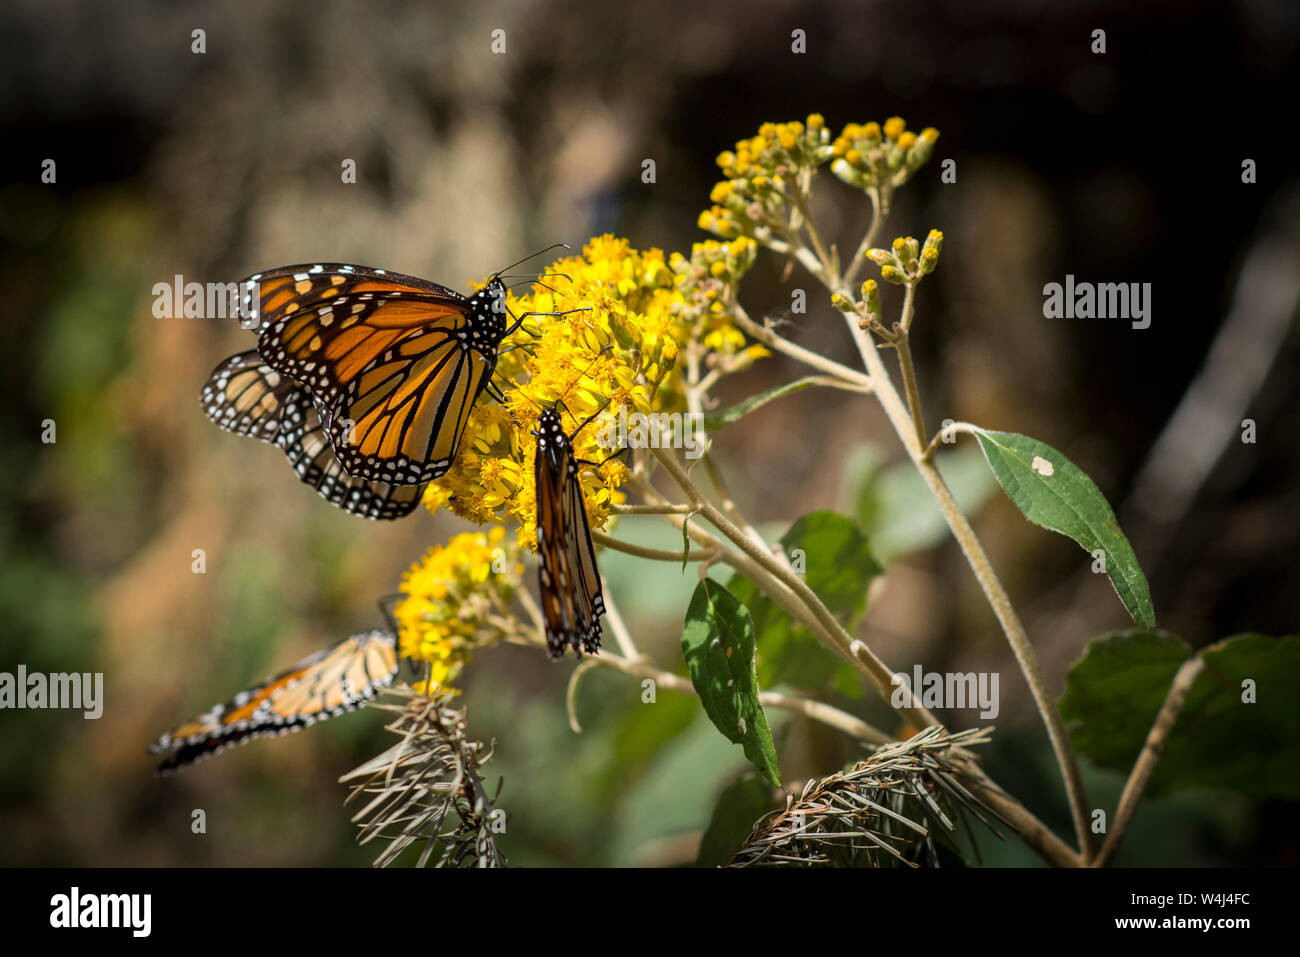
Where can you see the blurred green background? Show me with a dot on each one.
(1123, 167)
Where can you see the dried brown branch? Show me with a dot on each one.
(427, 788)
(885, 811)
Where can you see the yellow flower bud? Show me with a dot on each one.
(871, 298)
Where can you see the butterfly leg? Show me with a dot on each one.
(604, 461)
(519, 320)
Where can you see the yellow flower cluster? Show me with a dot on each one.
(708, 283)
(906, 261)
(868, 155)
(613, 343)
(451, 597)
(760, 172)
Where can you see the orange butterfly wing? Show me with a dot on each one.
(246, 396)
(569, 582)
(395, 362)
(323, 685)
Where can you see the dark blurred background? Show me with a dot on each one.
(1121, 167)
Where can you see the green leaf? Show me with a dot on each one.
(838, 565)
(718, 643)
(1055, 493)
(1115, 691)
(739, 807)
(716, 420)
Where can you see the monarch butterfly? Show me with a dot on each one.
(246, 396)
(396, 362)
(569, 582)
(321, 686)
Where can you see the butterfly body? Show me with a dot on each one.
(395, 363)
(569, 582)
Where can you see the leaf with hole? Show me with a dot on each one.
(1055, 493)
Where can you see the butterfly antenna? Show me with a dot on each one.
(537, 279)
(538, 282)
(534, 256)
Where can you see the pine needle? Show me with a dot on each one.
(427, 789)
(885, 811)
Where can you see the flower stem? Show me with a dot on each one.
(830, 628)
(654, 554)
(904, 349)
(1146, 761)
(816, 710)
(780, 344)
(880, 197)
(915, 444)
(649, 509)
